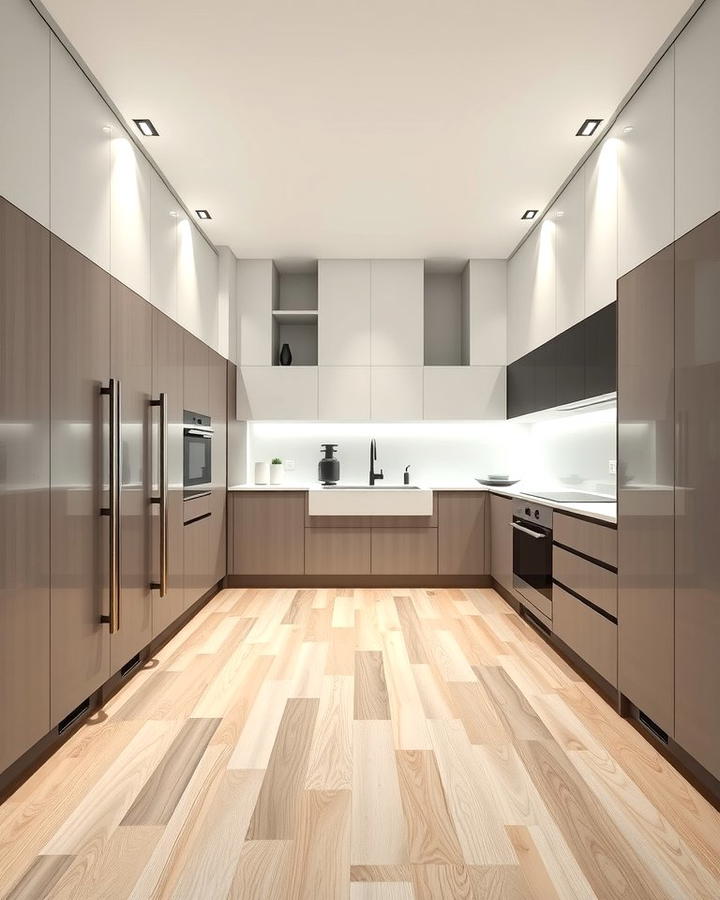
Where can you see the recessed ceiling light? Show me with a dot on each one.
(529, 213)
(202, 214)
(588, 127)
(146, 127)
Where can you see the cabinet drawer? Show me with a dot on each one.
(337, 551)
(404, 551)
(597, 541)
(592, 582)
(197, 507)
(590, 635)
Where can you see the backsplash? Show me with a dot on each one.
(572, 451)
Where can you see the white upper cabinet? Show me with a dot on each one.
(344, 393)
(25, 109)
(568, 219)
(601, 229)
(484, 301)
(197, 283)
(531, 292)
(80, 130)
(520, 279)
(697, 120)
(646, 168)
(164, 211)
(396, 292)
(281, 393)
(257, 281)
(397, 393)
(129, 213)
(344, 312)
(464, 392)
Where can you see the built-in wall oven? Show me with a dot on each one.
(532, 558)
(197, 452)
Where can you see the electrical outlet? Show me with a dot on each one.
(289, 465)
(612, 467)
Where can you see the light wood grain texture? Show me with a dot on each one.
(207, 776)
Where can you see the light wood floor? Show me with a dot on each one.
(365, 744)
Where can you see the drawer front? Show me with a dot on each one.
(597, 541)
(404, 551)
(199, 506)
(592, 582)
(337, 551)
(590, 635)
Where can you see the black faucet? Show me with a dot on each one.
(374, 476)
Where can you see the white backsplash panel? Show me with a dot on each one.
(573, 451)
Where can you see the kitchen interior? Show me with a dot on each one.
(358, 450)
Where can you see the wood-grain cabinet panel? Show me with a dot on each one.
(404, 551)
(590, 635)
(594, 583)
(501, 564)
(462, 532)
(598, 541)
(337, 551)
(268, 533)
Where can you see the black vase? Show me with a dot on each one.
(285, 355)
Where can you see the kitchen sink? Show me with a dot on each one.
(363, 500)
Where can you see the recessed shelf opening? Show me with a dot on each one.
(295, 311)
(446, 324)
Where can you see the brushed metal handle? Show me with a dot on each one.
(113, 392)
(532, 534)
(162, 499)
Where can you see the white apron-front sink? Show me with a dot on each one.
(361, 500)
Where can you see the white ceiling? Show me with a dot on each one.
(329, 128)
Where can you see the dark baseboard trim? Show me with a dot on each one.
(18, 772)
(703, 781)
(359, 581)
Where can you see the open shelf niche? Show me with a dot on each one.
(446, 313)
(295, 311)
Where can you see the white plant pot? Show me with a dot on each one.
(277, 473)
(262, 473)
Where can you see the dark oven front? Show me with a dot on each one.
(197, 451)
(532, 555)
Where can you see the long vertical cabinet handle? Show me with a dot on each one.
(162, 500)
(113, 510)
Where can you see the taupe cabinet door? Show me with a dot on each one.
(646, 424)
(697, 493)
(217, 377)
(167, 378)
(24, 483)
(461, 532)
(196, 392)
(80, 366)
(131, 363)
(501, 540)
(268, 533)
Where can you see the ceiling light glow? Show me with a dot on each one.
(146, 127)
(588, 127)
(627, 129)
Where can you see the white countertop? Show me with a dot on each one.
(603, 512)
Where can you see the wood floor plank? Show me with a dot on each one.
(439, 881)
(449, 658)
(410, 730)
(475, 816)
(370, 696)
(311, 663)
(379, 890)
(412, 630)
(275, 814)
(330, 764)
(257, 738)
(435, 693)
(40, 878)
(378, 823)
(341, 652)
(248, 682)
(381, 873)
(320, 868)
(478, 713)
(160, 794)
(343, 613)
(431, 832)
(263, 871)
(514, 708)
(499, 883)
(536, 875)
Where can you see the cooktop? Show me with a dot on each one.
(571, 497)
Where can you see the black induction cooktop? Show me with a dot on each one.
(571, 497)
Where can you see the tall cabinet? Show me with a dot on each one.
(24, 482)
(646, 526)
(697, 493)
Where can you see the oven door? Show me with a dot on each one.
(532, 564)
(197, 457)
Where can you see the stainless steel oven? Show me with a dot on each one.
(532, 556)
(197, 451)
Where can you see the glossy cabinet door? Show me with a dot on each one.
(79, 368)
(645, 493)
(570, 362)
(501, 540)
(217, 559)
(131, 364)
(601, 351)
(569, 216)
(24, 482)
(167, 378)
(344, 312)
(601, 250)
(697, 493)
(25, 109)
(196, 386)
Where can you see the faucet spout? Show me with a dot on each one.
(374, 476)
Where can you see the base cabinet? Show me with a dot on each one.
(404, 551)
(462, 532)
(501, 549)
(337, 551)
(268, 533)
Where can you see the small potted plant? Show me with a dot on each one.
(276, 471)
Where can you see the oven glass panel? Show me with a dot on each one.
(197, 460)
(532, 559)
